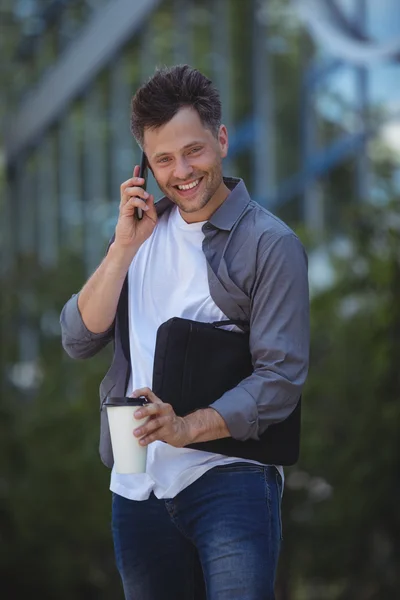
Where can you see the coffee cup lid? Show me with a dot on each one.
(125, 401)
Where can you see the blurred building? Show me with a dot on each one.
(309, 91)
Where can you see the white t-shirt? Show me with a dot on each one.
(167, 278)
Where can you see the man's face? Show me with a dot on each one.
(184, 153)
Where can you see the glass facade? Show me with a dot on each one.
(314, 131)
(308, 133)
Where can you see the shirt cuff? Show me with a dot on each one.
(240, 413)
(75, 325)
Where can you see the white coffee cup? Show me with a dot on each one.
(129, 456)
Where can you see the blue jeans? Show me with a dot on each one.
(218, 539)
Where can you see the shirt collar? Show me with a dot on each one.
(230, 210)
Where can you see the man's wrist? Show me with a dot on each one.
(204, 425)
(120, 258)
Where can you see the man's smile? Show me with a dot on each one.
(190, 188)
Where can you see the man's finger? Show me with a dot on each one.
(136, 170)
(148, 410)
(148, 393)
(148, 439)
(133, 181)
(150, 426)
(152, 207)
(136, 192)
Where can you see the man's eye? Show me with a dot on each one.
(163, 160)
(194, 150)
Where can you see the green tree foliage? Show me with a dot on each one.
(55, 507)
(342, 525)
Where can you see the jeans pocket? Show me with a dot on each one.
(279, 486)
(273, 483)
(239, 467)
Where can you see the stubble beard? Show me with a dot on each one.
(213, 181)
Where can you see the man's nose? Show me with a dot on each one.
(183, 169)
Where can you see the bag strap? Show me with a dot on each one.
(122, 315)
(241, 324)
(123, 321)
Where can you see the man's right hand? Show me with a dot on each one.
(130, 233)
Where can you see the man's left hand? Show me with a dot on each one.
(163, 424)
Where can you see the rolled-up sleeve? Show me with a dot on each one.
(77, 340)
(279, 342)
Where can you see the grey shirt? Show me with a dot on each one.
(257, 272)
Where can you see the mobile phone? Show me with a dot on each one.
(143, 174)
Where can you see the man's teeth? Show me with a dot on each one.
(189, 186)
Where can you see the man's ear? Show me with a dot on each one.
(223, 140)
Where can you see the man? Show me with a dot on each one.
(195, 522)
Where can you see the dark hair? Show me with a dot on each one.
(169, 90)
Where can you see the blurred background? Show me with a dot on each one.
(311, 98)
